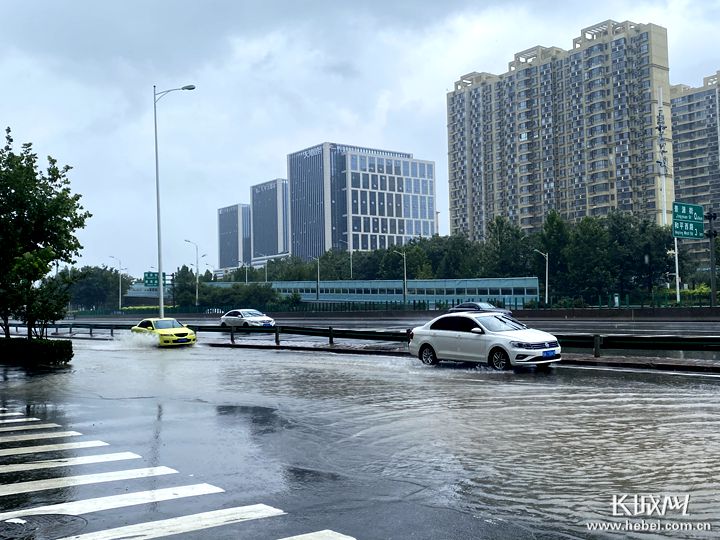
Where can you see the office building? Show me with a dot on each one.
(566, 130)
(270, 220)
(234, 236)
(352, 198)
(696, 146)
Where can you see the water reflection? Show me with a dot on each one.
(544, 451)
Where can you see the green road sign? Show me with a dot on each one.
(688, 220)
(150, 279)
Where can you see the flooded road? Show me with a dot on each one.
(385, 447)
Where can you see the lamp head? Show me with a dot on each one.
(188, 87)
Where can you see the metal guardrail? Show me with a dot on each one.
(594, 342)
(329, 332)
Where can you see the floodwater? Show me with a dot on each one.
(537, 455)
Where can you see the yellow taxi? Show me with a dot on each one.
(169, 331)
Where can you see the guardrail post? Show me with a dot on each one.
(277, 335)
(91, 329)
(330, 336)
(232, 334)
(597, 341)
(112, 330)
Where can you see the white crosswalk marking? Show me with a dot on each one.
(34, 436)
(99, 504)
(138, 531)
(50, 448)
(184, 524)
(66, 462)
(31, 426)
(320, 535)
(54, 483)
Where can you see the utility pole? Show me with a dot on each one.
(711, 233)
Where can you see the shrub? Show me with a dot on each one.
(35, 351)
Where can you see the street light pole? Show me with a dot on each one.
(404, 256)
(119, 282)
(350, 250)
(197, 271)
(317, 285)
(157, 96)
(546, 274)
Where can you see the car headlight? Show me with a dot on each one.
(520, 345)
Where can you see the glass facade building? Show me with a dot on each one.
(270, 219)
(565, 130)
(352, 198)
(234, 236)
(514, 292)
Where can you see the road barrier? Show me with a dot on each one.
(595, 342)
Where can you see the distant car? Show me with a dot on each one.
(169, 331)
(478, 306)
(493, 338)
(246, 317)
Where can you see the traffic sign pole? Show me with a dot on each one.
(711, 234)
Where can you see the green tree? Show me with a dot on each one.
(47, 302)
(39, 216)
(506, 249)
(587, 256)
(95, 287)
(184, 287)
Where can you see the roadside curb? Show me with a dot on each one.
(337, 350)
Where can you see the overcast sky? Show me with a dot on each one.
(272, 77)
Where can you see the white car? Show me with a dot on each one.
(493, 338)
(246, 317)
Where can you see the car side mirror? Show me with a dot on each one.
(477, 331)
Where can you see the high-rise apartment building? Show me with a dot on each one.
(696, 149)
(352, 198)
(696, 142)
(270, 219)
(566, 130)
(234, 236)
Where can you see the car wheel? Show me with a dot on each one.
(427, 356)
(223, 325)
(499, 360)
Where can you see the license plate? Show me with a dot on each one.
(548, 353)
(183, 340)
(267, 324)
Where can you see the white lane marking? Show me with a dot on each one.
(179, 525)
(31, 426)
(11, 414)
(50, 448)
(66, 462)
(35, 436)
(76, 508)
(15, 420)
(54, 483)
(320, 535)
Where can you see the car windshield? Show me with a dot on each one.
(485, 305)
(167, 323)
(500, 323)
(251, 313)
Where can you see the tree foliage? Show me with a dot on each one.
(39, 216)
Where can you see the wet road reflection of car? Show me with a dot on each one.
(492, 338)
